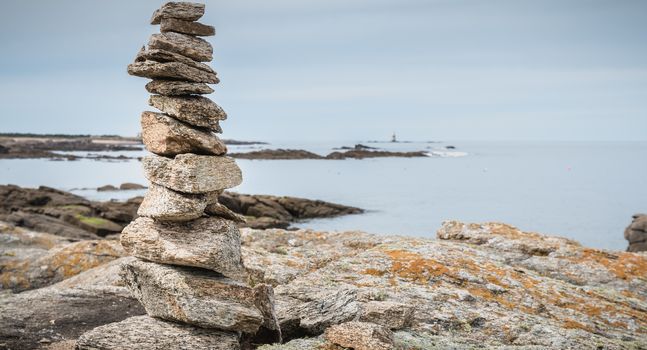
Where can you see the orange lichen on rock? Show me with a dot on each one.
(414, 267)
(623, 265)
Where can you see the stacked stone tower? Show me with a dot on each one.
(189, 268)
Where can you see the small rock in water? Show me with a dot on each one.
(127, 186)
(148, 333)
(176, 88)
(210, 243)
(186, 45)
(194, 296)
(188, 11)
(171, 70)
(167, 136)
(191, 173)
(195, 110)
(107, 188)
(186, 27)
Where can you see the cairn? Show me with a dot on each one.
(188, 269)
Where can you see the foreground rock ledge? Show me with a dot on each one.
(191, 173)
(197, 297)
(210, 243)
(481, 286)
(147, 333)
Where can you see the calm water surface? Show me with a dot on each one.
(584, 191)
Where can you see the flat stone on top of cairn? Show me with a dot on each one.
(189, 268)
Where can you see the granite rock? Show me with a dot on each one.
(163, 56)
(171, 70)
(190, 173)
(388, 314)
(217, 209)
(163, 204)
(195, 48)
(636, 234)
(194, 296)
(188, 11)
(167, 136)
(210, 243)
(67, 309)
(195, 110)
(148, 333)
(360, 336)
(186, 27)
(177, 88)
(30, 267)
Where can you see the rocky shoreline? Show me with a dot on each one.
(73, 217)
(19, 146)
(477, 286)
(30, 146)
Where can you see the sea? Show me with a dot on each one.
(586, 191)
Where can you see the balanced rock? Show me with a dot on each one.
(161, 203)
(212, 243)
(167, 136)
(196, 296)
(195, 110)
(171, 70)
(187, 11)
(191, 173)
(186, 27)
(163, 56)
(176, 88)
(186, 45)
(147, 333)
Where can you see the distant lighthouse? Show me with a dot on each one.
(394, 138)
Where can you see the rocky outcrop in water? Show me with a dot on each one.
(636, 234)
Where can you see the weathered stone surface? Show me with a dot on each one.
(636, 234)
(387, 313)
(171, 70)
(195, 48)
(163, 204)
(167, 136)
(30, 267)
(360, 336)
(217, 209)
(501, 290)
(194, 296)
(317, 313)
(164, 56)
(188, 11)
(210, 243)
(177, 88)
(147, 333)
(65, 310)
(186, 27)
(190, 173)
(195, 110)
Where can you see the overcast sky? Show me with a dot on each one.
(345, 69)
